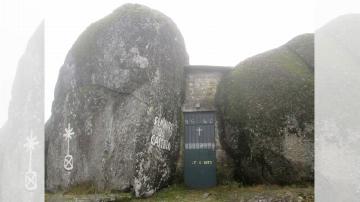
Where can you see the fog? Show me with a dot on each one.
(215, 33)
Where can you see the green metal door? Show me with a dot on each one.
(200, 159)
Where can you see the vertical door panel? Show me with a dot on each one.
(200, 158)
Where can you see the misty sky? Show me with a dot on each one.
(215, 32)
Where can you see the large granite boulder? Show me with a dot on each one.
(21, 163)
(118, 96)
(337, 109)
(266, 114)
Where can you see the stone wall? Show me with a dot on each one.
(200, 87)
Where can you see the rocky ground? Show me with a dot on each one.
(233, 192)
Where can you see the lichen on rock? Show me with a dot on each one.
(122, 72)
(266, 112)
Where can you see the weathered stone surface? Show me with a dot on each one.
(200, 87)
(303, 47)
(337, 109)
(266, 111)
(120, 89)
(25, 117)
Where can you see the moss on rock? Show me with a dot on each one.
(266, 110)
(121, 85)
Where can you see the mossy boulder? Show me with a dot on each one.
(266, 114)
(120, 90)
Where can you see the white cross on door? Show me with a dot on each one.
(199, 130)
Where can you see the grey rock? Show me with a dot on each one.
(25, 116)
(337, 109)
(120, 88)
(303, 47)
(266, 115)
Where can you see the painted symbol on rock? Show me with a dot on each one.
(30, 175)
(68, 161)
(161, 133)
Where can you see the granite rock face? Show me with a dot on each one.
(266, 114)
(337, 109)
(120, 91)
(25, 120)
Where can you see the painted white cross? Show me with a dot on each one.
(68, 161)
(199, 130)
(30, 176)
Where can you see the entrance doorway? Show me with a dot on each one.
(200, 156)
